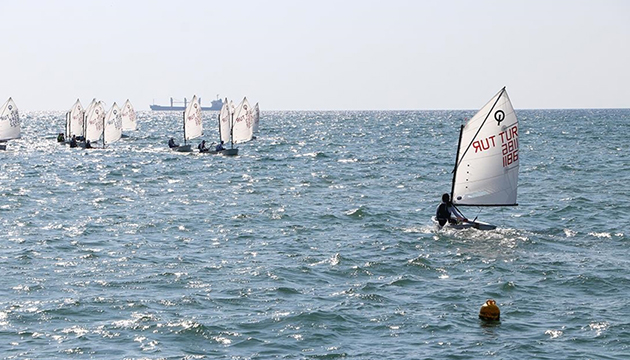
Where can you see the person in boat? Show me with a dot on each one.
(61, 138)
(88, 145)
(202, 146)
(447, 212)
(219, 146)
(73, 141)
(171, 143)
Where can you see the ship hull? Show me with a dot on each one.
(181, 108)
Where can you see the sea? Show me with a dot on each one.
(315, 242)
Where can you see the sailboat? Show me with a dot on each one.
(243, 123)
(487, 161)
(193, 127)
(74, 121)
(226, 127)
(128, 117)
(225, 124)
(112, 125)
(94, 122)
(9, 123)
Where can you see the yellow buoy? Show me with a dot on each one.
(490, 311)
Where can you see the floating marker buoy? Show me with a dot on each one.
(490, 311)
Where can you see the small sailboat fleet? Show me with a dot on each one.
(9, 123)
(487, 161)
(87, 126)
(236, 124)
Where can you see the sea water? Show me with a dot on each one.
(315, 242)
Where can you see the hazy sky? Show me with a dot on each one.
(319, 54)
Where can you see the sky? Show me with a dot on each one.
(317, 55)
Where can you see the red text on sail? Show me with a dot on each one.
(508, 139)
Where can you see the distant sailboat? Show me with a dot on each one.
(193, 127)
(112, 125)
(487, 161)
(226, 117)
(94, 122)
(74, 121)
(242, 128)
(9, 123)
(128, 117)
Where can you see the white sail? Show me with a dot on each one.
(486, 171)
(112, 131)
(94, 122)
(225, 117)
(242, 128)
(90, 106)
(128, 116)
(256, 118)
(193, 127)
(74, 120)
(9, 121)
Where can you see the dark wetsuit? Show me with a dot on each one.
(443, 214)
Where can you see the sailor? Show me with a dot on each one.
(61, 138)
(171, 143)
(447, 212)
(202, 146)
(88, 145)
(220, 146)
(73, 141)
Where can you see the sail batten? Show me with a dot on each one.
(487, 163)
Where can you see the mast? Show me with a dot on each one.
(184, 117)
(231, 130)
(68, 124)
(219, 117)
(104, 120)
(459, 144)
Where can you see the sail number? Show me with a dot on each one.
(507, 139)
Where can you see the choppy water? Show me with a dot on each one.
(315, 243)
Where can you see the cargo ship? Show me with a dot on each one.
(216, 105)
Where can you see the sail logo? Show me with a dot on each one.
(499, 116)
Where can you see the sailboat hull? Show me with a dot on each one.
(230, 152)
(183, 148)
(479, 225)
